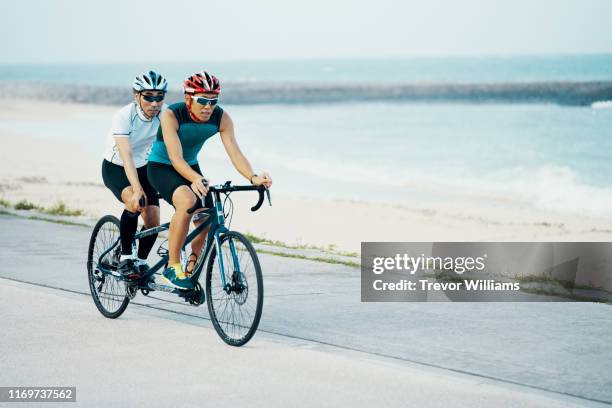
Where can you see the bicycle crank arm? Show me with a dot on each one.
(105, 271)
(163, 288)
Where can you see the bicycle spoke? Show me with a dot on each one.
(237, 308)
(108, 291)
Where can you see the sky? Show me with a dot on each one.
(78, 31)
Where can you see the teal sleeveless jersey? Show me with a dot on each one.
(191, 134)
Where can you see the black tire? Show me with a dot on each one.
(235, 315)
(108, 292)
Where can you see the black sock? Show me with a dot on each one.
(127, 228)
(145, 245)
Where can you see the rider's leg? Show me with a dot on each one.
(174, 189)
(198, 242)
(150, 217)
(128, 224)
(182, 199)
(196, 246)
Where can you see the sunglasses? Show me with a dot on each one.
(205, 101)
(153, 98)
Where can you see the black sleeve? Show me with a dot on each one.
(180, 112)
(219, 115)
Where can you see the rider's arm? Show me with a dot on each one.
(125, 151)
(170, 127)
(238, 159)
(121, 129)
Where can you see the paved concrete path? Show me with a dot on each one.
(317, 342)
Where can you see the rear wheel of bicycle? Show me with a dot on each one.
(108, 292)
(235, 309)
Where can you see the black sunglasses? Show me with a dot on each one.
(153, 98)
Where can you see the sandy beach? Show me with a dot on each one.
(45, 171)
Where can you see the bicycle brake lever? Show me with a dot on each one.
(268, 195)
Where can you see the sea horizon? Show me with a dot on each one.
(439, 69)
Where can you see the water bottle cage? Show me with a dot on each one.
(162, 250)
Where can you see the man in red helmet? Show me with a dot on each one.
(173, 165)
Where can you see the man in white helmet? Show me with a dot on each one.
(124, 169)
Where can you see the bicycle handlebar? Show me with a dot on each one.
(228, 188)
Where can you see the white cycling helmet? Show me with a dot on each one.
(150, 81)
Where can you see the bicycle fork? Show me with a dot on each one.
(222, 229)
(228, 287)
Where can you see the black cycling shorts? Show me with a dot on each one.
(166, 179)
(115, 179)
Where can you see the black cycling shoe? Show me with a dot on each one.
(128, 269)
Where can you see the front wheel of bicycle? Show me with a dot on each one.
(234, 307)
(108, 292)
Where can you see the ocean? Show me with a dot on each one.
(427, 70)
(527, 152)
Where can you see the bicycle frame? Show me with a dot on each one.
(216, 221)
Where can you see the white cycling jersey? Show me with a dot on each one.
(131, 122)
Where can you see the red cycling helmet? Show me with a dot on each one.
(202, 82)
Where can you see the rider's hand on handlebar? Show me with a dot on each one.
(262, 179)
(200, 187)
